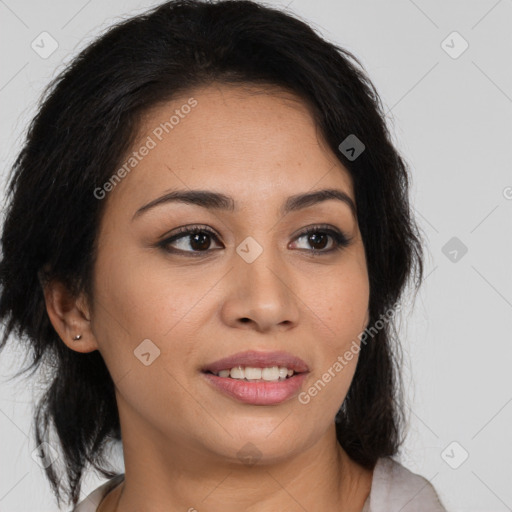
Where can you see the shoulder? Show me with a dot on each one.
(394, 487)
(90, 503)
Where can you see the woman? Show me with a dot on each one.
(218, 236)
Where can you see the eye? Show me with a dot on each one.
(194, 240)
(198, 238)
(318, 237)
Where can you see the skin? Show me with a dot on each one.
(180, 435)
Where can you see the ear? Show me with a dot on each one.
(70, 316)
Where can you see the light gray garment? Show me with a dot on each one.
(92, 501)
(394, 489)
(397, 489)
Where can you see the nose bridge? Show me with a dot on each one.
(262, 280)
(259, 259)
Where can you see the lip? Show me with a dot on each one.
(258, 359)
(258, 392)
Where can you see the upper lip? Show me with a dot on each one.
(258, 360)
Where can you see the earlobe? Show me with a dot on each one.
(70, 317)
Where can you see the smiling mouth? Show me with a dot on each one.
(269, 388)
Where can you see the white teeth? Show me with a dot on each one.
(271, 374)
(252, 373)
(237, 373)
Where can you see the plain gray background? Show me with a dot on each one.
(451, 114)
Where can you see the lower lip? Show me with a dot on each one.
(258, 393)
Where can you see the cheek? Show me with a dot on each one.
(144, 324)
(137, 301)
(340, 301)
(340, 306)
(149, 295)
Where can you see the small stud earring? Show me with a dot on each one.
(77, 337)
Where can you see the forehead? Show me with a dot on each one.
(249, 142)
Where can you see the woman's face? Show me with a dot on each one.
(166, 309)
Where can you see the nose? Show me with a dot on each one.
(262, 293)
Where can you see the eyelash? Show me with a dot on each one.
(340, 240)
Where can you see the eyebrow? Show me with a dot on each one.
(218, 201)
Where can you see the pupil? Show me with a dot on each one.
(200, 236)
(314, 236)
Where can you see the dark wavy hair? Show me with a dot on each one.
(87, 120)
